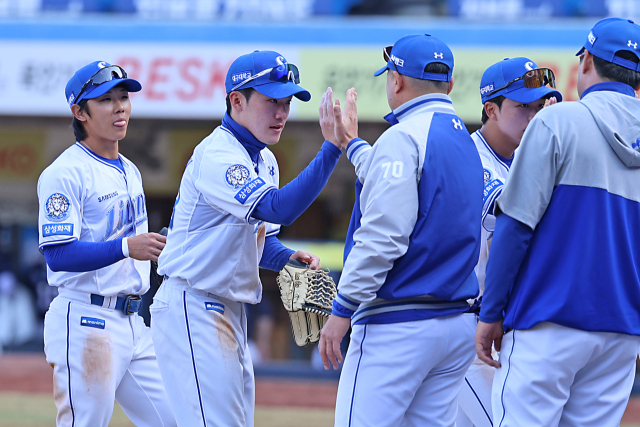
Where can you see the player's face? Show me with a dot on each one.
(109, 115)
(513, 118)
(265, 117)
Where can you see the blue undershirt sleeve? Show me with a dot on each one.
(284, 205)
(275, 255)
(511, 240)
(81, 256)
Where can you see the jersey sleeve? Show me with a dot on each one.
(493, 187)
(59, 205)
(358, 152)
(532, 177)
(228, 181)
(391, 182)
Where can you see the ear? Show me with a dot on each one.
(398, 82)
(587, 62)
(238, 101)
(80, 115)
(450, 86)
(491, 109)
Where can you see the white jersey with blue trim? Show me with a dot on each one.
(83, 197)
(495, 176)
(213, 243)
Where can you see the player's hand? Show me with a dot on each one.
(347, 121)
(330, 338)
(487, 334)
(327, 123)
(550, 101)
(146, 247)
(311, 260)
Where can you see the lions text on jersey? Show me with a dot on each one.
(86, 197)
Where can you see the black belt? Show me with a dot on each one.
(129, 304)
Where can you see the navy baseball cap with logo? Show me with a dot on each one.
(518, 79)
(267, 72)
(411, 54)
(611, 35)
(96, 79)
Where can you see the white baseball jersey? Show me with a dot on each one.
(495, 176)
(84, 197)
(213, 243)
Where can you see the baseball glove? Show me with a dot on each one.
(308, 297)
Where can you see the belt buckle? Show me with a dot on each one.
(132, 304)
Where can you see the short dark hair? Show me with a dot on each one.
(247, 94)
(428, 86)
(77, 126)
(498, 101)
(618, 73)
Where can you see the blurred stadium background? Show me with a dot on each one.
(180, 50)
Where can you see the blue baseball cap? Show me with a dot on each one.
(97, 78)
(268, 73)
(495, 82)
(411, 54)
(611, 35)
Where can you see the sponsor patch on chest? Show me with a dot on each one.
(107, 196)
(215, 306)
(92, 322)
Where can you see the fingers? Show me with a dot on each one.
(484, 354)
(338, 354)
(314, 263)
(321, 348)
(159, 237)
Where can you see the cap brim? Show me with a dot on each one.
(381, 70)
(278, 90)
(526, 95)
(129, 84)
(581, 51)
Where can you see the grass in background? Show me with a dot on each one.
(38, 410)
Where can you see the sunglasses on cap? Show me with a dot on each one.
(104, 75)
(532, 80)
(386, 54)
(283, 74)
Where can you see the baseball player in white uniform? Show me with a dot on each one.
(224, 226)
(563, 276)
(407, 277)
(93, 233)
(513, 91)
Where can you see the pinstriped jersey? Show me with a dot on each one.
(84, 197)
(213, 242)
(496, 169)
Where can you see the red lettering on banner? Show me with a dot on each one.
(156, 76)
(192, 80)
(18, 160)
(132, 66)
(217, 75)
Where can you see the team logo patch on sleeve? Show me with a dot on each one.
(57, 230)
(92, 322)
(214, 306)
(248, 190)
(237, 176)
(57, 207)
(487, 176)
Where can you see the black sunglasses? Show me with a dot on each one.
(104, 75)
(386, 54)
(532, 79)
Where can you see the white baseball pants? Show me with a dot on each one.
(95, 365)
(552, 375)
(201, 345)
(405, 374)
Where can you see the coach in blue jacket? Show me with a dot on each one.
(412, 245)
